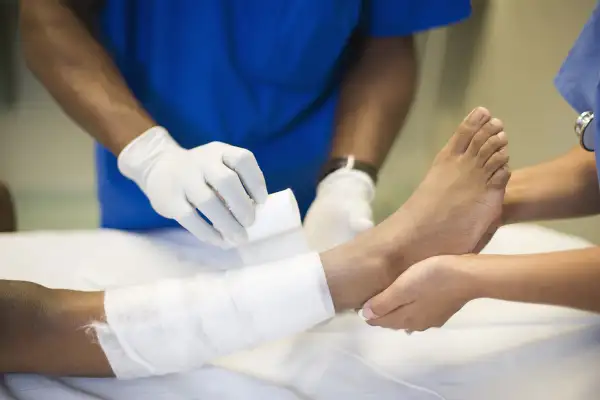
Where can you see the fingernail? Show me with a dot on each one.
(470, 114)
(366, 313)
(478, 115)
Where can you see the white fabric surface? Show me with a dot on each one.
(490, 350)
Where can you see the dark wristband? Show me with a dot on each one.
(349, 162)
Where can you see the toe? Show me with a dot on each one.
(500, 178)
(491, 146)
(498, 160)
(468, 128)
(491, 128)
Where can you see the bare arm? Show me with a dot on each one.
(376, 96)
(566, 187)
(568, 278)
(62, 52)
(42, 331)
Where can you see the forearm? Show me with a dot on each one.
(566, 187)
(62, 52)
(376, 96)
(43, 331)
(569, 278)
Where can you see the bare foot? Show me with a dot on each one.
(449, 213)
(462, 194)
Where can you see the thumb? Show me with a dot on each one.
(387, 301)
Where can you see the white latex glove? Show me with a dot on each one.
(223, 182)
(341, 210)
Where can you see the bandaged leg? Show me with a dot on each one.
(179, 324)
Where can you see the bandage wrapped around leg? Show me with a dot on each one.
(178, 325)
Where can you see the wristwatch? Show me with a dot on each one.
(349, 162)
(584, 129)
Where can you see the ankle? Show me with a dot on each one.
(357, 271)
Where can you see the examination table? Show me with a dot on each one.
(490, 350)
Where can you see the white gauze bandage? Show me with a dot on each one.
(277, 232)
(179, 324)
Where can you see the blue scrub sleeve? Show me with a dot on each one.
(405, 17)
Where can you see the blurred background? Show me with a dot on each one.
(504, 58)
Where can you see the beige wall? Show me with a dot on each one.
(47, 161)
(504, 58)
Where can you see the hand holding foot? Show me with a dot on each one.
(426, 296)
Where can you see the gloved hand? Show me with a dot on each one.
(223, 182)
(341, 210)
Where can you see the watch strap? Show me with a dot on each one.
(349, 162)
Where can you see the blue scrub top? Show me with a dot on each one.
(259, 74)
(578, 80)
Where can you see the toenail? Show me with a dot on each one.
(496, 123)
(476, 115)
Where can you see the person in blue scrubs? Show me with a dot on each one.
(300, 94)
(431, 291)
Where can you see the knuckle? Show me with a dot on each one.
(215, 143)
(243, 156)
(200, 198)
(207, 201)
(166, 207)
(246, 154)
(226, 177)
(214, 148)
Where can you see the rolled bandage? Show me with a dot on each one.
(178, 325)
(277, 232)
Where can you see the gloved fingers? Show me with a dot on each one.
(361, 217)
(198, 227)
(244, 163)
(361, 224)
(228, 187)
(209, 204)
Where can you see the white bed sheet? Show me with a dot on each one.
(490, 350)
